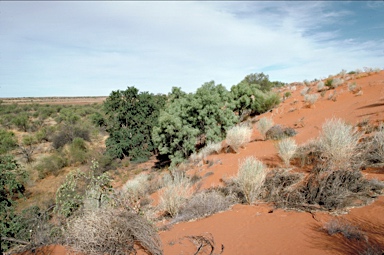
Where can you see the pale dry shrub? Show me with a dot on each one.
(352, 87)
(112, 231)
(204, 204)
(304, 91)
(336, 82)
(338, 143)
(320, 86)
(286, 149)
(250, 178)
(174, 195)
(238, 136)
(264, 124)
(136, 188)
(311, 99)
(211, 148)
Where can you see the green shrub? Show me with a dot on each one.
(78, 151)
(7, 141)
(66, 135)
(250, 178)
(21, 121)
(50, 165)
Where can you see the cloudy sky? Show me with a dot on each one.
(73, 48)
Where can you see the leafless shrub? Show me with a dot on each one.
(251, 177)
(205, 244)
(112, 231)
(286, 149)
(375, 152)
(278, 184)
(264, 124)
(204, 204)
(238, 136)
(278, 132)
(333, 190)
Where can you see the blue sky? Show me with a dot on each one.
(73, 48)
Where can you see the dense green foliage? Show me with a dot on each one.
(192, 120)
(7, 141)
(253, 95)
(130, 118)
(12, 177)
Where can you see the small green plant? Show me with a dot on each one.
(287, 94)
(328, 83)
(238, 136)
(51, 164)
(250, 178)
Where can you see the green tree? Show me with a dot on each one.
(22, 122)
(253, 95)
(130, 118)
(192, 120)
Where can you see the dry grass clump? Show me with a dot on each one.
(175, 194)
(112, 231)
(286, 149)
(310, 99)
(338, 143)
(250, 178)
(263, 125)
(209, 149)
(238, 136)
(204, 204)
(136, 189)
